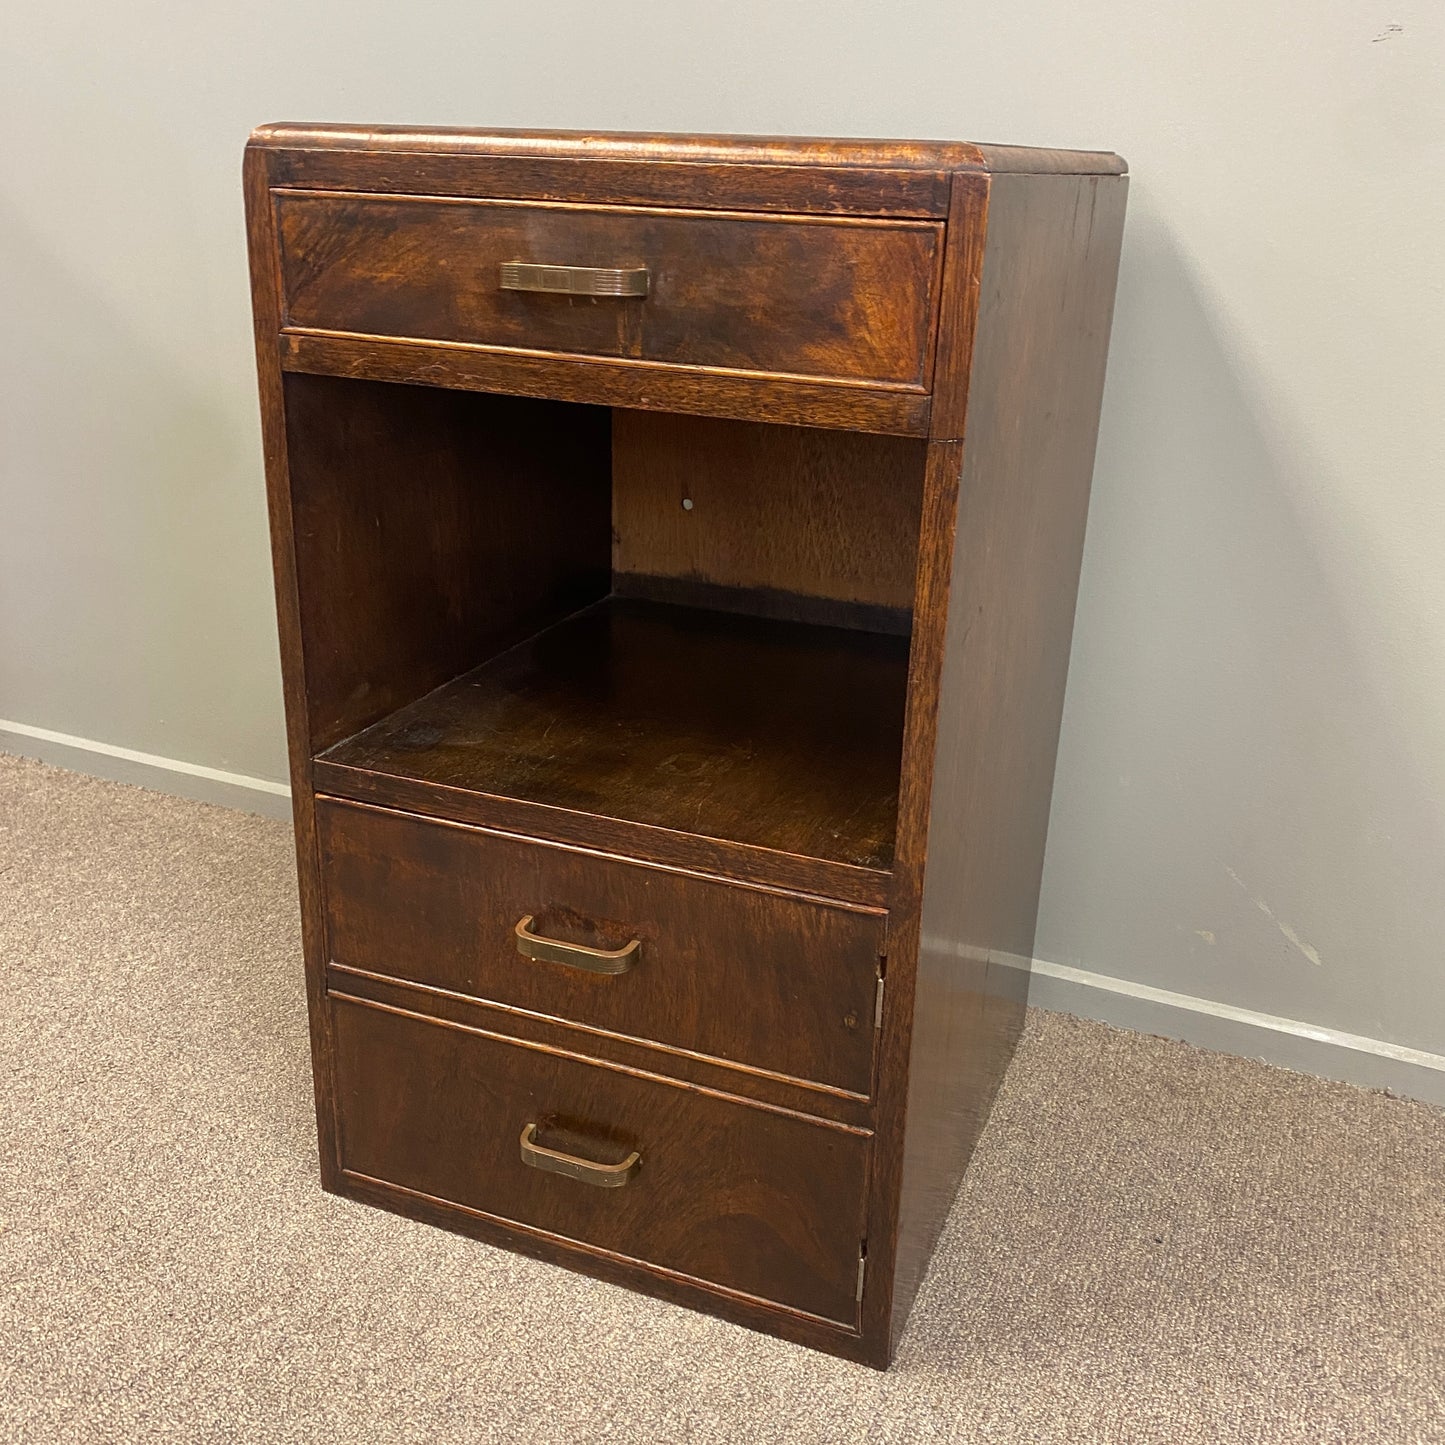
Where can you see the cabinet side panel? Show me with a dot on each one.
(432, 530)
(1037, 375)
(266, 308)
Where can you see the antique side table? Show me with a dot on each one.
(676, 544)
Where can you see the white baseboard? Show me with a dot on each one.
(1306, 1048)
(147, 770)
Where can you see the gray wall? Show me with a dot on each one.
(1249, 799)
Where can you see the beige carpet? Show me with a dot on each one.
(1155, 1243)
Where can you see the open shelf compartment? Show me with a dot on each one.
(773, 734)
(691, 625)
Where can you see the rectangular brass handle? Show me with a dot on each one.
(585, 1171)
(574, 955)
(575, 280)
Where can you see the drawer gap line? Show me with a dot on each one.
(730, 373)
(588, 1059)
(506, 1008)
(869, 910)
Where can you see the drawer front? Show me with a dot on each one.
(851, 300)
(749, 977)
(759, 1202)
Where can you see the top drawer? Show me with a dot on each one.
(848, 300)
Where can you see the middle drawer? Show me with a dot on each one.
(763, 980)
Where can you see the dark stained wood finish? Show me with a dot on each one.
(602, 382)
(776, 514)
(818, 190)
(967, 230)
(653, 148)
(771, 734)
(757, 173)
(687, 1068)
(433, 528)
(837, 679)
(718, 968)
(743, 1309)
(925, 734)
(266, 311)
(608, 837)
(836, 299)
(749, 1200)
(1045, 303)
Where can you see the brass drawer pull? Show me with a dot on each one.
(574, 955)
(585, 1171)
(575, 280)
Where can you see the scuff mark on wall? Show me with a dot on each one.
(1311, 953)
(1388, 33)
(1206, 934)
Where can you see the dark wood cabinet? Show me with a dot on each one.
(676, 543)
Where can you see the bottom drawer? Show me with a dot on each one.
(759, 1202)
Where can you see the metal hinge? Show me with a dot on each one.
(878, 999)
(862, 1269)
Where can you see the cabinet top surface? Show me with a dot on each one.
(738, 150)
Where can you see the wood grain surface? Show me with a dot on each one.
(266, 320)
(750, 1200)
(742, 730)
(771, 734)
(767, 514)
(601, 381)
(718, 969)
(1045, 302)
(432, 529)
(829, 299)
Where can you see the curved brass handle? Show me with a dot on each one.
(585, 1171)
(574, 955)
(575, 280)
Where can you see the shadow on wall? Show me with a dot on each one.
(134, 578)
(1236, 811)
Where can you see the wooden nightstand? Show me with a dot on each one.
(676, 543)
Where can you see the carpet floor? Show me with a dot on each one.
(1155, 1243)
